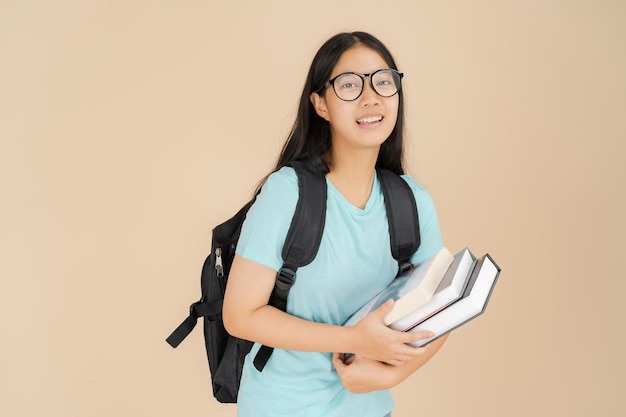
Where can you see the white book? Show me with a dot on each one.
(410, 290)
(468, 307)
(449, 290)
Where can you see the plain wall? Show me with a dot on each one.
(129, 129)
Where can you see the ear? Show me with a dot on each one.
(319, 104)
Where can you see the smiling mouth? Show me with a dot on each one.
(372, 119)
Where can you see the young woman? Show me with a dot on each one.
(350, 121)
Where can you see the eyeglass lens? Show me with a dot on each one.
(349, 86)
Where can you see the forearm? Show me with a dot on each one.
(269, 326)
(400, 373)
(361, 375)
(248, 315)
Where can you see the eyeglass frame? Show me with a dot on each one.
(331, 82)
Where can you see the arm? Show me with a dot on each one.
(363, 375)
(247, 315)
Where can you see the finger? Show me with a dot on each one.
(413, 350)
(411, 354)
(396, 362)
(417, 336)
(407, 355)
(384, 308)
(338, 360)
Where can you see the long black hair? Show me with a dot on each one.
(310, 135)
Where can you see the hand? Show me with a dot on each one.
(374, 340)
(360, 375)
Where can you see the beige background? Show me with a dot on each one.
(122, 122)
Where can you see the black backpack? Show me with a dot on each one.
(226, 353)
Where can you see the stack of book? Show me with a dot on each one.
(438, 295)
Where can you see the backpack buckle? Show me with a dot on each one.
(192, 309)
(285, 279)
(405, 266)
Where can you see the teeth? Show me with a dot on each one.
(370, 119)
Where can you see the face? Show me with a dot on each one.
(366, 122)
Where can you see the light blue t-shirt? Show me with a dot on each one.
(353, 264)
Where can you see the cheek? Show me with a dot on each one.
(392, 114)
(341, 114)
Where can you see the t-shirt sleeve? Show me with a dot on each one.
(267, 222)
(430, 232)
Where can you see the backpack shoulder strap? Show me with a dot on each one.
(307, 225)
(402, 216)
(302, 241)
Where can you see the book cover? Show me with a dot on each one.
(450, 289)
(469, 306)
(410, 290)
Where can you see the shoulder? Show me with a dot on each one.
(280, 186)
(278, 195)
(284, 178)
(267, 222)
(430, 232)
(422, 195)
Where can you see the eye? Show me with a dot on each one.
(348, 82)
(384, 79)
(348, 85)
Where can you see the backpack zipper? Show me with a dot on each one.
(218, 262)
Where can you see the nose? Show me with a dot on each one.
(369, 97)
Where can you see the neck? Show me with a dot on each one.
(353, 175)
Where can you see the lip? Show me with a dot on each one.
(370, 119)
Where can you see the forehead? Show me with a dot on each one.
(360, 59)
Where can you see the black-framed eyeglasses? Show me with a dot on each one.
(348, 86)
